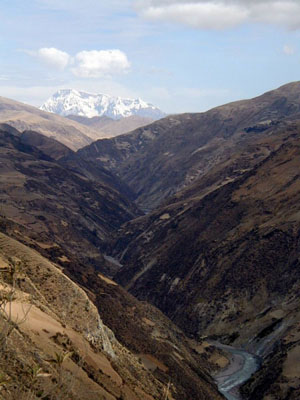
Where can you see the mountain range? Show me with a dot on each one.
(74, 102)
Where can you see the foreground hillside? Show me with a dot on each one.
(53, 342)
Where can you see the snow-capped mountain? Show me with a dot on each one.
(73, 102)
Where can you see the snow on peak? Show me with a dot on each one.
(74, 102)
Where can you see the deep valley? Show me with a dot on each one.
(162, 263)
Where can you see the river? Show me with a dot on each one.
(242, 365)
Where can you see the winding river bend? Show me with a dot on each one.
(242, 365)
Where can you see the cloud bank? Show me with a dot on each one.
(85, 64)
(222, 14)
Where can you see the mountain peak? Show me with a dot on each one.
(74, 102)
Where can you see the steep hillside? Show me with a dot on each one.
(53, 341)
(47, 145)
(224, 263)
(75, 208)
(60, 338)
(25, 117)
(69, 159)
(158, 160)
(54, 344)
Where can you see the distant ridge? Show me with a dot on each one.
(73, 102)
(25, 117)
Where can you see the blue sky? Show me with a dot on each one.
(181, 55)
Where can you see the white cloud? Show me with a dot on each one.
(222, 14)
(53, 57)
(85, 64)
(99, 63)
(288, 50)
(199, 15)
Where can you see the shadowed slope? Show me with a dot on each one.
(74, 209)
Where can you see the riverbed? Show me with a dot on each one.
(239, 370)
